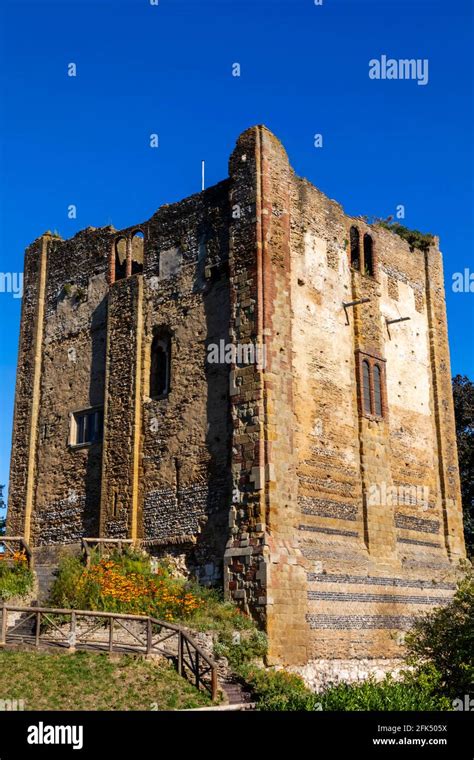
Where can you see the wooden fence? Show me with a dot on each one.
(102, 546)
(74, 629)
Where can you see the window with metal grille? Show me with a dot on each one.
(87, 427)
(372, 394)
(366, 386)
(377, 391)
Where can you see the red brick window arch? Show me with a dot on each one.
(372, 392)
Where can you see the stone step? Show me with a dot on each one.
(235, 692)
(45, 575)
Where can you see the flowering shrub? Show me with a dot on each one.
(15, 577)
(17, 556)
(126, 582)
(137, 593)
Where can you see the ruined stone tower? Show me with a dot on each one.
(319, 485)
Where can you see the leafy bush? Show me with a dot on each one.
(414, 692)
(245, 650)
(444, 638)
(15, 577)
(278, 690)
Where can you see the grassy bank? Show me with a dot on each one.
(86, 681)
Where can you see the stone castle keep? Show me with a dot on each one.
(319, 487)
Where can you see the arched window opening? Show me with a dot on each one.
(366, 387)
(355, 248)
(120, 259)
(160, 365)
(377, 391)
(368, 255)
(138, 247)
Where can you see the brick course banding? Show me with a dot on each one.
(337, 596)
(358, 622)
(407, 522)
(374, 581)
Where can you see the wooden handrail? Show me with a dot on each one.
(193, 643)
(111, 617)
(91, 540)
(99, 542)
(23, 543)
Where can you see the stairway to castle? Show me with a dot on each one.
(45, 576)
(236, 692)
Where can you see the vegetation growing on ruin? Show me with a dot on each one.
(414, 238)
(241, 648)
(128, 583)
(70, 290)
(16, 580)
(440, 646)
(90, 681)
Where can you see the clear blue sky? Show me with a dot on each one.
(168, 70)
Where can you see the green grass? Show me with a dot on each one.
(87, 681)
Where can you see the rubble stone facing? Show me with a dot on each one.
(259, 477)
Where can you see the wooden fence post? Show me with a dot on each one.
(214, 683)
(111, 635)
(197, 669)
(149, 636)
(180, 653)
(72, 635)
(38, 627)
(3, 633)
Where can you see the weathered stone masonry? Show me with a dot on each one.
(259, 477)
